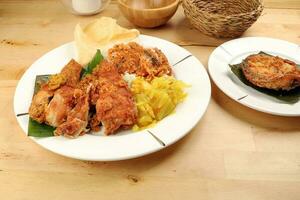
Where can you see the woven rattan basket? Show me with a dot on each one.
(222, 18)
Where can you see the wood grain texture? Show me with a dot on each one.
(233, 152)
(289, 4)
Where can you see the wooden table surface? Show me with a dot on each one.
(233, 153)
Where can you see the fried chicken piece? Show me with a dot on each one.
(145, 62)
(68, 111)
(77, 118)
(115, 107)
(60, 105)
(69, 75)
(39, 104)
(271, 72)
(91, 85)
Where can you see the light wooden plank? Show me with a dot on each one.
(233, 152)
(289, 4)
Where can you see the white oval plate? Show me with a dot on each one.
(126, 144)
(234, 52)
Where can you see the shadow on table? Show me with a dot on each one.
(190, 36)
(275, 123)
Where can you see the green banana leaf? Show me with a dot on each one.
(98, 57)
(289, 97)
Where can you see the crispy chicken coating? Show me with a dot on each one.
(77, 118)
(71, 73)
(60, 105)
(109, 93)
(271, 72)
(115, 107)
(39, 104)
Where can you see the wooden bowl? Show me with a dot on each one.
(148, 13)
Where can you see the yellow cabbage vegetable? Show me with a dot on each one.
(157, 99)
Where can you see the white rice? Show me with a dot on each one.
(129, 78)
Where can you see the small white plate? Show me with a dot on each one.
(126, 144)
(234, 52)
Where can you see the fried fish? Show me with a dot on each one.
(271, 72)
